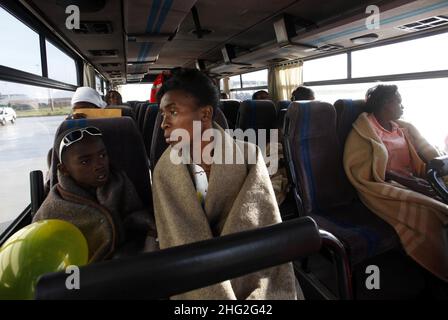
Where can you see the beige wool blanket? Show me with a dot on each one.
(420, 221)
(240, 197)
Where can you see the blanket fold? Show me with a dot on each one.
(420, 221)
(240, 197)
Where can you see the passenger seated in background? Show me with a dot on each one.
(224, 96)
(199, 201)
(385, 159)
(100, 201)
(261, 95)
(302, 93)
(113, 98)
(84, 98)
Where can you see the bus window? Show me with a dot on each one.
(425, 54)
(423, 102)
(24, 144)
(98, 84)
(328, 68)
(135, 91)
(24, 54)
(242, 87)
(61, 67)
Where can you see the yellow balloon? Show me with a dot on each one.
(41, 247)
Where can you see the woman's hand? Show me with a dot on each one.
(414, 183)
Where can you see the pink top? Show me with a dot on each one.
(397, 147)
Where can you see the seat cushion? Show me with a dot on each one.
(363, 233)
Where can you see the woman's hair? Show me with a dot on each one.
(302, 93)
(107, 97)
(378, 96)
(257, 94)
(195, 83)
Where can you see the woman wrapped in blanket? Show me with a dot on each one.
(199, 195)
(385, 159)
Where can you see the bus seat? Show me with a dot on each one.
(283, 104)
(133, 104)
(126, 111)
(282, 107)
(141, 112)
(347, 111)
(257, 114)
(321, 188)
(158, 144)
(230, 109)
(148, 125)
(125, 149)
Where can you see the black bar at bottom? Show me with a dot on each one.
(181, 269)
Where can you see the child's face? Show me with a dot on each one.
(86, 161)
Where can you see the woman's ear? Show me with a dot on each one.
(207, 113)
(63, 169)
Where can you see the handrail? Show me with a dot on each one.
(181, 269)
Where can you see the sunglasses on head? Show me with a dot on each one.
(75, 136)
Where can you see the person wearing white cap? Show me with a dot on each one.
(86, 97)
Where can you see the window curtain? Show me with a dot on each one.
(282, 80)
(89, 76)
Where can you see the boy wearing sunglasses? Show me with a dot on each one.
(100, 201)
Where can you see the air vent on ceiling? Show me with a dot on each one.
(277, 60)
(424, 24)
(226, 73)
(104, 53)
(328, 47)
(246, 68)
(90, 27)
(110, 65)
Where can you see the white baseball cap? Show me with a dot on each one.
(87, 94)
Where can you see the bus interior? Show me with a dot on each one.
(338, 48)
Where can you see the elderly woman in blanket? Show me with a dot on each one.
(385, 159)
(206, 185)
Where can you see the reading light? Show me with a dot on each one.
(367, 38)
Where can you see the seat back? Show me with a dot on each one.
(230, 109)
(141, 112)
(283, 104)
(126, 111)
(133, 103)
(125, 149)
(256, 115)
(158, 144)
(347, 111)
(314, 157)
(148, 125)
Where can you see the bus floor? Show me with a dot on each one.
(400, 279)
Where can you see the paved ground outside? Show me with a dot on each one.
(23, 148)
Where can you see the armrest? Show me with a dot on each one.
(440, 165)
(438, 168)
